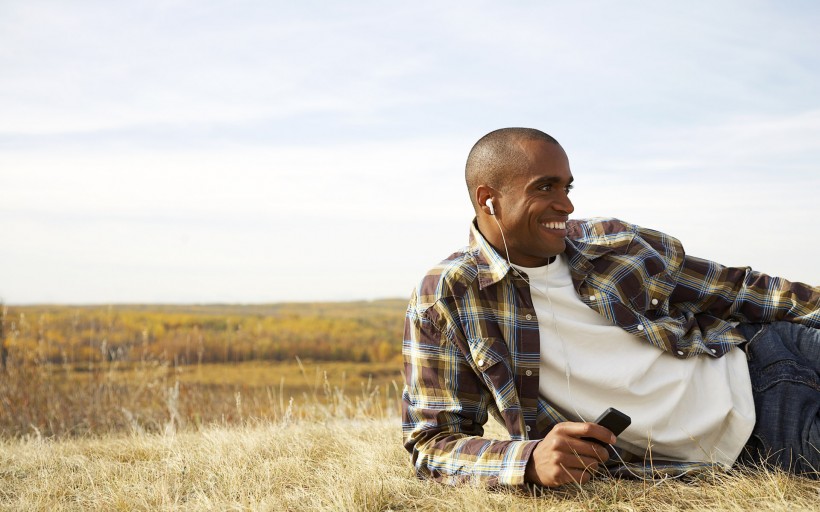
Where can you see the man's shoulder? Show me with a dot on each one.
(451, 277)
(596, 229)
(596, 236)
(609, 231)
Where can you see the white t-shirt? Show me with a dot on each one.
(696, 409)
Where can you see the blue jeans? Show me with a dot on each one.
(784, 363)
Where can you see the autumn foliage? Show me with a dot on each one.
(184, 335)
(91, 370)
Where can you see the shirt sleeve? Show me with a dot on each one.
(741, 294)
(444, 409)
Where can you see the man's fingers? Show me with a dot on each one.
(577, 476)
(601, 453)
(577, 461)
(588, 449)
(591, 430)
(574, 435)
(563, 457)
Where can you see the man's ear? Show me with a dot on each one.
(484, 193)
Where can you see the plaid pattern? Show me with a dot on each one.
(471, 341)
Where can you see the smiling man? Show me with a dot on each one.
(531, 178)
(544, 322)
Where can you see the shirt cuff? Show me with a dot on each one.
(515, 463)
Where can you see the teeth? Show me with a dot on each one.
(554, 225)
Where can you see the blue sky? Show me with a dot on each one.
(181, 151)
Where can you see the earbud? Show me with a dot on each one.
(489, 204)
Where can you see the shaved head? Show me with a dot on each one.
(499, 155)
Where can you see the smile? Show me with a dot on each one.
(554, 225)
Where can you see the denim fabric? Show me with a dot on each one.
(784, 363)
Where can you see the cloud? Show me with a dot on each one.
(729, 149)
(91, 69)
(348, 180)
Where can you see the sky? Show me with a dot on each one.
(185, 151)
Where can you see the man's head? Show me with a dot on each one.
(526, 174)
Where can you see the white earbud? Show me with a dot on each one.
(489, 204)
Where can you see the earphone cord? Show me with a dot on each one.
(504, 239)
(552, 310)
(567, 370)
(554, 319)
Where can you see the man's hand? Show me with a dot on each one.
(563, 457)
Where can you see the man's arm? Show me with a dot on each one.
(445, 405)
(444, 409)
(732, 293)
(744, 295)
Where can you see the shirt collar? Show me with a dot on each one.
(491, 266)
(589, 240)
(580, 252)
(583, 252)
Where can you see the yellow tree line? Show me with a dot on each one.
(347, 331)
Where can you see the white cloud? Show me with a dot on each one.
(349, 180)
(732, 147)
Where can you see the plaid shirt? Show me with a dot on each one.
(472, 346)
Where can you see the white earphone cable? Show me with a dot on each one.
(567, 370)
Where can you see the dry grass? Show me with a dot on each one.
(52, 400)
(339, 464)
(150, 435)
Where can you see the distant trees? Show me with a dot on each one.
(357, 331)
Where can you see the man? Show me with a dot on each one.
(544, 322)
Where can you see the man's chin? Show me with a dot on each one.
(545, 256)
(556, 249)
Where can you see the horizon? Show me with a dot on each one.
(189, 153)
(198, 304)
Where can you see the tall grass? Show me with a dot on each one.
(149, 397)
(48, 390)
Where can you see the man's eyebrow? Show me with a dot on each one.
(552, 179)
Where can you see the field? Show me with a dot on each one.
(336, 464)
(72, 371)
(112, 409)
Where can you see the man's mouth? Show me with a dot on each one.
(554, 225)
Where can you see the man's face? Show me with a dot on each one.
(534, 205)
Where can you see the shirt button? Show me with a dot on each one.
(528, 373)
(640, 327)
(592, 297)
(528, 428)
(680, 352)
(480, 362)
(654, 302)
(714, 351)
(528, 317)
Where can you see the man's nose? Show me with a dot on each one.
(565, 205)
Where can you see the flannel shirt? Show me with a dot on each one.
(472, 347)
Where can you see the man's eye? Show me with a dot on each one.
(548, 188)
